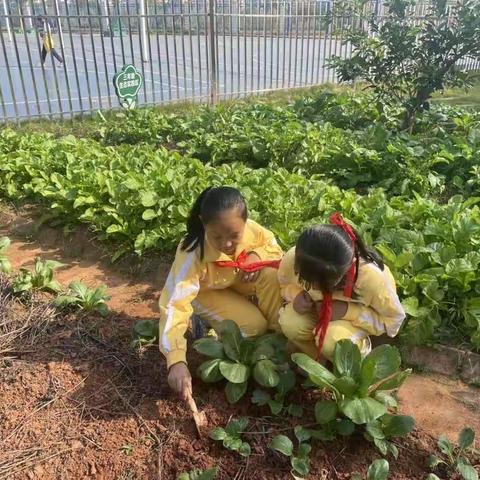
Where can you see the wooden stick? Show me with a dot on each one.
(199, 417)
(192, 404)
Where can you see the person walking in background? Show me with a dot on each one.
(45, 32)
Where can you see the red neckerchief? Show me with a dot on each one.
(251, 267)
(325, 314)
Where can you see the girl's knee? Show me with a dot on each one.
(294, 326)
(344, 330)
(286, 328)
(256, 326)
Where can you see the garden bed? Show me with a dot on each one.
(80, 402)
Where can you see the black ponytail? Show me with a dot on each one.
(195, 230)
(369, 254)
(209, 204)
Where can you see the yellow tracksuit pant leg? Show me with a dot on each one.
(299, 330)
(233, 304)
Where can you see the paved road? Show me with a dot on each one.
(177, 69)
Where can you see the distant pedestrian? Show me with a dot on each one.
(45, 31)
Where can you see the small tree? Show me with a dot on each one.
(404, 62)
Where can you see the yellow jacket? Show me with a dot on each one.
(189, 274)
(48, 41)
(375, 306)
(47, 36)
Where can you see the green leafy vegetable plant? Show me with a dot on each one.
(5, 265)
(237, 359)
(360, 394)
(231, 436)
(455, 458)
(84, 298)
(378, 470)
(145, 332)
(41, 278)
(209, 474)
(299, 460)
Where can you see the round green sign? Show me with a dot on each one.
(127, 84)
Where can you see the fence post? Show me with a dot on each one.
(213, 53)
(28, 19)
(59, 22)
(143, 31)
(106, 12)
(7, 20)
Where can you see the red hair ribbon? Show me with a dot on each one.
(337, 219)
(325, 314)
(251, 267)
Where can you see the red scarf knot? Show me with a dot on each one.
(239, 263)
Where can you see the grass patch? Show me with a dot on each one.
(460, 96)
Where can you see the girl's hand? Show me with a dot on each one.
(303, 303)
(251, 277)
(180, 380)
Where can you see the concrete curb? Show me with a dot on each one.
(448, 361)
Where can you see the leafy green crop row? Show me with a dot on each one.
(346, 138)
(139, 197)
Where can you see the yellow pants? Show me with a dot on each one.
(299, 330)
(234, 304)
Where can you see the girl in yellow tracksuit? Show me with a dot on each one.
(223, 261)
(335, 289)
(46, 36)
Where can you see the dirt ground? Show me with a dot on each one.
(80, 402)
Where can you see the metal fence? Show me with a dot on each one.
(199, 50)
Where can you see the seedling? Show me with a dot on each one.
(5, 265)
(84, 298)
(126, 449)
(237, 359)
(378, 470)
(359, 394)
(299, 461)
(145, 332)
(454, 458)
(41, 278)
(209, 474)
(231, 436)
(276, 402)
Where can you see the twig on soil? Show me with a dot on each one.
(16, 452)
(29, 462)
(160, 462)
(330, 463)
(20, 321)
(93, 443)
(29, 417)
(240, 473)
(106, 347)
(165, 441)
(5, 468)
(340, 454)
(247, 465)
(140, 418)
